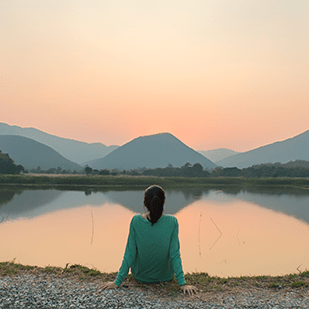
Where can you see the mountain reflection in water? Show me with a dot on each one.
(32, 203)
(19, 203)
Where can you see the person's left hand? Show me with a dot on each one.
(190, 289)
(109, 285)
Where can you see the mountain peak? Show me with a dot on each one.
(151, 151)
(157, 135)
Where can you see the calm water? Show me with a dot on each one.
(223, 233)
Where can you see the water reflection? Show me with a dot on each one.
(222, 232)
(31, 203)
(294, 203)
(25, 203)
(240, 238)
(67, 236)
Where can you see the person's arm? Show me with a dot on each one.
(129, 256)
(175, 258)
(177, 265)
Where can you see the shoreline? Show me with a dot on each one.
(103, 182)
(202, 280)
(75, 283)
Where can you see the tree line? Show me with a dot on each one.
(7, 165)
(51, 170)
(298, 168)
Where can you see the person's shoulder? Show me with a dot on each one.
(136, 218)
(171, 219)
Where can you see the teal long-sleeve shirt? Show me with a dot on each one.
(152, 251)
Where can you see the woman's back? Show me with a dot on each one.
(153, 251)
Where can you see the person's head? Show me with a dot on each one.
(154, 198)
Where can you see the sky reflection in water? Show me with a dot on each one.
(220, 233)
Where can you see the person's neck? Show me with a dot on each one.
(147, 215)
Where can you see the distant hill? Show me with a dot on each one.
(216, 155)
(151, 151)
(31, 154)
(71, 149)
(296, 148)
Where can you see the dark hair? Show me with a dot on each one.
(154, 198)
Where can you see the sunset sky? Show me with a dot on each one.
(216, 74)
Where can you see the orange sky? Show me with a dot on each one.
(232, 74)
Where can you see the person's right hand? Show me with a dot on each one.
(109, 285)
(190, 289)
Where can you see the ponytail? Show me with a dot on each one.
(155, 209)
(154, 199)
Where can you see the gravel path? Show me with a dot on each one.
(51, 291)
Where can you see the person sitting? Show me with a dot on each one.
(152, 251)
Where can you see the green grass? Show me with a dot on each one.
(143, 181)
(202, 281)
(298, 284)
(12, 268)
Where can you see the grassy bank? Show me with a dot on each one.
(202, 281)
(142, 181)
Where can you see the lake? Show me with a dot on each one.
(226, 232)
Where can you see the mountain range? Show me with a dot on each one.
(296, 148)
(73, 150)
(148, 151)
(49, 151)
(151, 151)
(31, 154)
